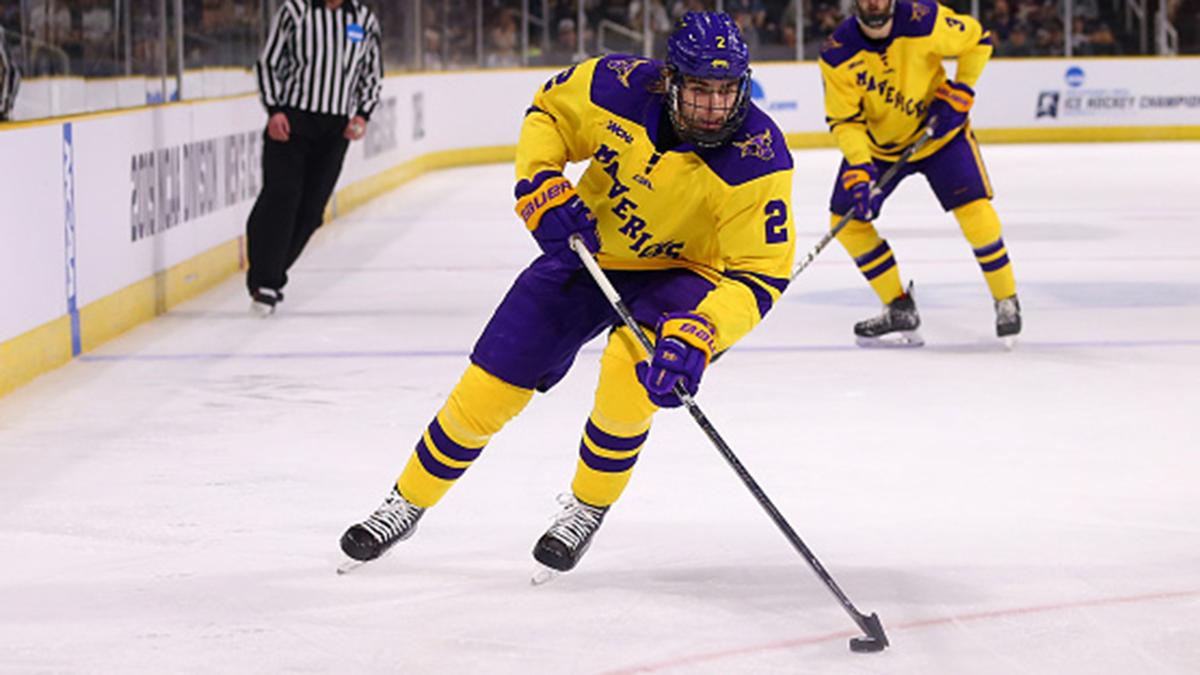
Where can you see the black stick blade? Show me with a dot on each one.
(874, 641)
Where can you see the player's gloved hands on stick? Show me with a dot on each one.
(859, 180)
(951, 103)
(553, 212)
(681, 353)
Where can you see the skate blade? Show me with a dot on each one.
(349, 566)
(900, 340)
(261, 309)
(1009, 342)
(543, 575)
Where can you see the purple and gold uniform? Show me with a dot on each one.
(682, 228)
(877, 97)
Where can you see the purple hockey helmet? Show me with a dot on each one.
(708, 46)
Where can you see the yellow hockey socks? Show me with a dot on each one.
(478, 407)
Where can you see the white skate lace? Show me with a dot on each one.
(394, 518)
(1006, 309)
(576, 522)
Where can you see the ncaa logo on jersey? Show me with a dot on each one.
(355, 32)
(619, 131)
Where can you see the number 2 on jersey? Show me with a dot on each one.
(777, 216)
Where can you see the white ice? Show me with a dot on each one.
(172, 501)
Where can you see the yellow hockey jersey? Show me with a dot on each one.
(877, 92)
(724, 213)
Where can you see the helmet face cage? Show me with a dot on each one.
(874, 20)
(709, 46)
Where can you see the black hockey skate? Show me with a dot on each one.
(1008, 318)
(568, 538)
(895, 327)
(264, 300)
(394, 521)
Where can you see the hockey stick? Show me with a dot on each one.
(884, 180)
(875, 640)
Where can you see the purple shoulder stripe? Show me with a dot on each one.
(757, 149)
(621, 84)
(914, 18)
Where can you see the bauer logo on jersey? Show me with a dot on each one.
(355, 32)
(624, 68)
(758, 145)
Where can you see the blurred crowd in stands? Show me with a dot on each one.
(98, 38)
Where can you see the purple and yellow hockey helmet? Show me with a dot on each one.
(707, 45)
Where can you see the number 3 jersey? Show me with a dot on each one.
(723, 213)
(877, 92)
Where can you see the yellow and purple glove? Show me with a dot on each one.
(553, 212)
(859, 180)
(681, 353)
(951, 102)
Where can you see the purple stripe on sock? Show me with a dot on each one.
(448, 447)
(874, 254)
(433, 466)
(610, 442)
(889, 264)
(991, 248)
(604, 464)
(995, 264)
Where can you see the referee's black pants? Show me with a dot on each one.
(298, 177)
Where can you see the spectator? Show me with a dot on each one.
(98, 37)
(1017, 43)
(503, 38)
(660, 22)
(566, 44)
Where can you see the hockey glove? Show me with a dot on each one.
(859, 180)
(951, 102)
(681, 353)
(553, 212)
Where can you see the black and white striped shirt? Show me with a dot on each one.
(10, 79)
(322, 60)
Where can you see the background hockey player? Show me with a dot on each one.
(884, 81)
(686, 203)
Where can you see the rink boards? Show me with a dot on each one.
(110, 219)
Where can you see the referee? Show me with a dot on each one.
(319, 76)
(10, 79)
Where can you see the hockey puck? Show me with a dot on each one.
(864, 645)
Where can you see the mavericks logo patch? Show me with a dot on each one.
(758, 145)
(624, 68)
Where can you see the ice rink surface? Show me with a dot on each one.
(172, 501)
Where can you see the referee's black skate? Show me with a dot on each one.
(394, 521)
(264, 300)
(1008, 319)
(561, 547)
(895, 327)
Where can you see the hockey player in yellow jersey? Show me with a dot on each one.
(685, 201)
(884, 82)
